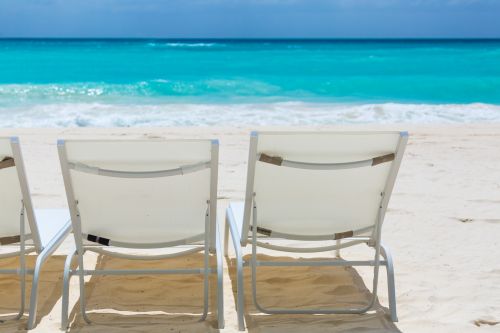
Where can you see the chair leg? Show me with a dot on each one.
(206, 269)
(205, 295)
(226, 238)
(220, 298)
(23, 294)
(65, 293)
(82, 288)
(390, 282)
(34, 291)
(240, 296)
(220, 282)
(22, 262)
(40, 260)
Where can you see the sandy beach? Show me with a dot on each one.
(443, 227)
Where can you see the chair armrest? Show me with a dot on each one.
(235, 235)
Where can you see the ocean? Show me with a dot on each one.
(165, 82)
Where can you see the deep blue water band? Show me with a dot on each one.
(247, 71)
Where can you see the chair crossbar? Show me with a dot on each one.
(335, 236)
(143, 271)
(145, 257)
(16, 253)
(15, 271)
(319, 263)
(309, 249)
(279, 161)
(139, 174)
(108, 242)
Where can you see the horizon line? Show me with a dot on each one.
(262, 38)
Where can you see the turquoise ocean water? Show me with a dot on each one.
(239, 82)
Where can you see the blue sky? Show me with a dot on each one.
(250, 18)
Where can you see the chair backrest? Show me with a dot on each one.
(318, 184)
(14, 192)
(141, 192)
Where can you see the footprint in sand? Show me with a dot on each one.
(277, 280)
(152, 136)
(480, 322)
(464, 220)
(342, 290)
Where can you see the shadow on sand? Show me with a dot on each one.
(155, 303)
(49, 291)
(309, 287)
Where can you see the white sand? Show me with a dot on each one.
(443, 227)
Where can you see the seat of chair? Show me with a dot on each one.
(50, 222)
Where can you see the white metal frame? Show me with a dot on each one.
(240, 239)
(211, 240)
(43, 252)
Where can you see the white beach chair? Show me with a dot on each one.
(142, 195)
(42, 231)
(316, 187)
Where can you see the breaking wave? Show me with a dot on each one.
(258, 114)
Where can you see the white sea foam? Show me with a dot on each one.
(288, 113)
(190, 44)
(183, 44)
